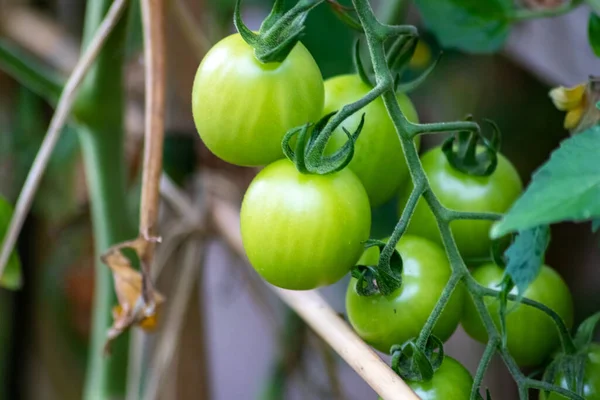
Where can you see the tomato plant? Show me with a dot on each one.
(531, 334)
(383, 321)
(378, 158)
(243, 107)
(591, 377)
(302, 231)
(460, 191)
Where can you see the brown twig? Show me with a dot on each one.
(315, 311)
(59, 119)
(154, 50)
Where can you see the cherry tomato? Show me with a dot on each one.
(450, 381)
(242, 108)
(459, 191)
(531, 334)
(383, 321)
(304, 231)
(378, 158)
(591, 377)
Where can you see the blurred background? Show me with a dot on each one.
(236, 339)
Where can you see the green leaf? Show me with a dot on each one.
(473, 26)
(565, 188)
(594, 33)
(585, 332)
(525, 257)
(11, 278)
(30, 73)
(596, 225)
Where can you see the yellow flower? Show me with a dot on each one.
(572, 100)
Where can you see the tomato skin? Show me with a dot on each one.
(383, 321)
(242, 108)
(304, 231)
(451, 381)
(459, 191)
(591, 379)
(378, 158)
(531, 334)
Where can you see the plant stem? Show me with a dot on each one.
(563, 331)
(376, 33)
(486, 358)
(455, 279)
(100, 107)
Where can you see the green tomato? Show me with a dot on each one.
(378, 158)
(304, 231)
(11, 278)
(383, 321)
(531, 334)
(242, 108)
(459, 191)
(450, 381)
(591, 377)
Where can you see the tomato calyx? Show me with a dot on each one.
(472, 153)
(414, 363)
(572, 366)
(308, 154)
(279, 32)
(384, 278)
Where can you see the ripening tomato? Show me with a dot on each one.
(383, 321)
(459, 191)
(591, 377)
(531, 334)
(450, 381)
(301, 231)
(378, 158)
(242, 108)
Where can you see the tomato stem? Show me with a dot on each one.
(486, 358)
(100, 110)
(376, 33)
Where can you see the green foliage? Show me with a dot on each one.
(525, 257)
(29, 72)
(473, 26)
(11, 278)
(594, 33)
(585, 331)
(566, 188)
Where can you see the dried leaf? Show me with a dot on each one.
(128, 282)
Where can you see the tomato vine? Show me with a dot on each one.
(376, 34)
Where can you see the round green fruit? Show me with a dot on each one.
(242, 108)
(378, 158)
(383, 321)
(301, 231)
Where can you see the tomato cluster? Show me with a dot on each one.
(302, 230)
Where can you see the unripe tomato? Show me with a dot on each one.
(591, 377)
(531, 334)
(383, 321)
(459, 191)
(304, 231)
(378, 158)
(450, 381)
(242, 108)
